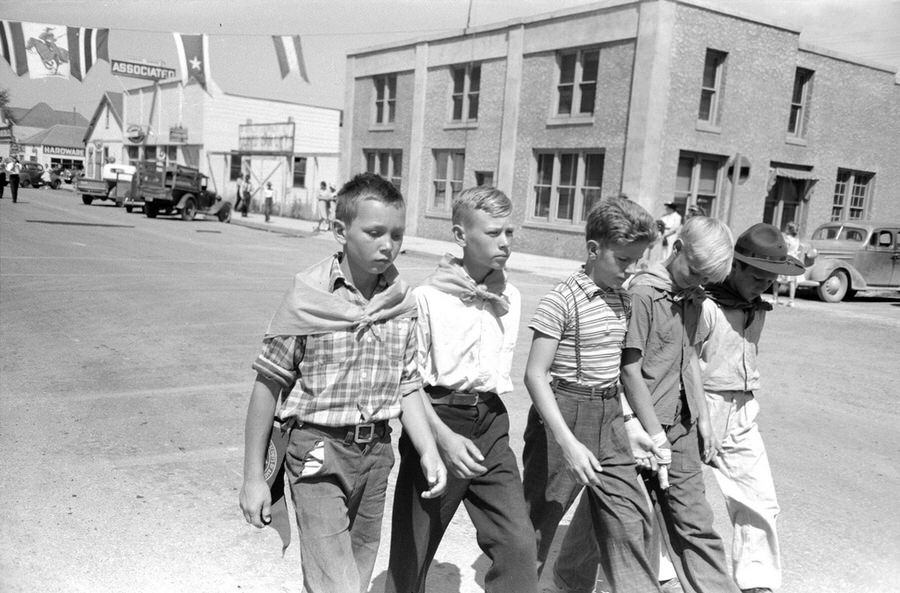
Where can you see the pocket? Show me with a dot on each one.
(314, 460)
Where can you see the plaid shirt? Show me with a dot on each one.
(344, 377)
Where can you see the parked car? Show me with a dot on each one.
(854, 255)
(32, 174)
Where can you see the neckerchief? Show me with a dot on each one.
(451, 277)
(725, 295)
(657, 276)
(309, 306)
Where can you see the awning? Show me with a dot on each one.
(793, 173)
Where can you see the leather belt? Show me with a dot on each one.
(443, 396)
(361, 434)
(607, 392)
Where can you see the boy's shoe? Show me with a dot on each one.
(790, 303)
(757, 590)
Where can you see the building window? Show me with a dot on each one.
(299, 171)
(713, 84)
(567, 185)
(800, 102)
(466, 88)
(851, 192)
(387, 163)
(107, 117)
(577, 88)
(385, 99)
(448, 177)
(235, 167)
(698, 181)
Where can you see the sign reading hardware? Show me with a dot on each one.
(140, 70)
(64, 150)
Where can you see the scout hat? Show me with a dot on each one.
(762, 246)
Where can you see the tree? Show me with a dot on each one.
(4, 106)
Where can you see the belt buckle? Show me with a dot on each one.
(364, 433)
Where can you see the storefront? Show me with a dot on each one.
(58, 146)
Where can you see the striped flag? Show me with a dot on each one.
(86, 46)
(290, 55)
(193, 55)
(12, 43)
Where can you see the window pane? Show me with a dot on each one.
(459, 165)
(588, 92)
(794, 123)
(545, 169)
(392, 86)
(440, 165)
(683, 177)
(566, 205)
(591, 197)
(398, 166)
(710, 67)
(565, 100)
(473, 106)
(705, 104)
(457, 107)
(370, 162)
(589, 63)
(379, 89)
(440, 194)
(391, 106)
(593, 170)
(383, 163)
(709, 171)
(541, 202)
(475, 79)
(459, 79)
(567, 68)
(568, 164)
(379, 112)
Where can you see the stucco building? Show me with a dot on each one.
(662, 100)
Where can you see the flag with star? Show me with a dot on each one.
(193, 55)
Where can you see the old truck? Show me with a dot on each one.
(113, 184)
(170, 188)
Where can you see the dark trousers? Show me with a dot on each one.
(245, 203)
(493, 500)
(14, 187)
(268, 209)
(695, 548)
(619, 517)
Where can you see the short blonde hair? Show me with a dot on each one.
(707, 244)
(490, 199)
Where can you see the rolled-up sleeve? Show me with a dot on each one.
(279, 359)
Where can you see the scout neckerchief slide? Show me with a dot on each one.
(274, 474)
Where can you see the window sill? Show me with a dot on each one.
(381, 128)
(461, 125)
(575, 120)
(795, 140)
(569, 228)
(705, 126)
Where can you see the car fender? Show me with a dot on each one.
(824, 267)
(184, 199)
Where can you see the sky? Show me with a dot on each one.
(243, 59)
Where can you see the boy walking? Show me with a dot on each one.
(468, 324)
(661, 377)
(730, 328)
(575, 435)
(338, 363)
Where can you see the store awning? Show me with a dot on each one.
(793, 173)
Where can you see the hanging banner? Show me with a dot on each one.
(52, 51)
(47, 50)
(141, 70)
(193, 57)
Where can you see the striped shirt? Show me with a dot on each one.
(344, 377)
(602, 322)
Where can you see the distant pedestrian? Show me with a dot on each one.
(269, 195)
(672, 221)
(239, 186)
(323, 204)
(2, 178)
(246, 195)
(795, 250)
(13, 169)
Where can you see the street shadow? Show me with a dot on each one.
(443, 577)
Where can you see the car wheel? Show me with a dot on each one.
(86, 199)
(128, 209)
(834, 288)
(54, 184)
(25, 182)
(190, 209)
(151, 210)
(224, 214)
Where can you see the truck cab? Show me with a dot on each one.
(170, 188)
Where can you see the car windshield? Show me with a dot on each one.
(841, 233)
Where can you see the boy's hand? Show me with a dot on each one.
(256, 502)
(710, 447)
(583, 464)
(435, 474)
(663, 458)
(644, 450)
(460, 454)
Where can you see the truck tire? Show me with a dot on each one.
(128, 209)
(834, 288)
(224, 213)
(189, 211)
(86, 199)
(54, 184)
(151, 209)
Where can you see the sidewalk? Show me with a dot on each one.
(550, 267)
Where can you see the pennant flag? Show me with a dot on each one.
(12, 43)
(193, 55)
(290, 55)
(86, 46)
(46, 50)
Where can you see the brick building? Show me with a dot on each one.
(659, 99)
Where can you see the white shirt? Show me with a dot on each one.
(466, 347)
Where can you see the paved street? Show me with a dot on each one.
(125, 373)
